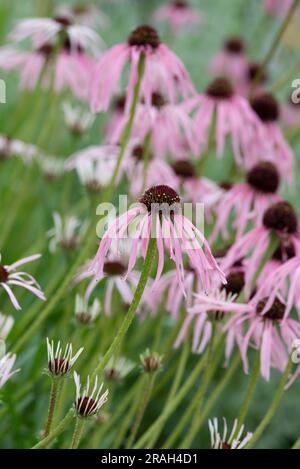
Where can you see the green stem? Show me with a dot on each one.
(211, 139)
(170, 408)
(249, 394)
(275, 43)
(145, 398)
(285, 78)
(128, 128)
(79, 426)
(54, 395)
(151, 251)
(273, 407)
(56, 432)
(176, 382)
(146, 158)
(208, 373)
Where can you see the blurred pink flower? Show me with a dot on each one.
(231, 61)
(267, 140)
(6, 364)
(232, 115)
(277, 7)
(179, 14)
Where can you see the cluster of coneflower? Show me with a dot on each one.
(216, 294)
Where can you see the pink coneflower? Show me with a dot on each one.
(6, 364)
(171, 128)
(9, 278)
(268, 331)
(231, 61)
(86, 313)
(225, 440)
(248, 201)
(279, 218)
(178, 14)
(157, 171)
(158, 215)
(113, 276)
(61, 69)
(234, 119)
(95, 165)
(164, 72)
(206, 308)
(277, 7)
(11, 147)
(267, 140)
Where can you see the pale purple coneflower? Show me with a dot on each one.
(115, 120)
(10, 277)
(89, 401)
(279, 219)
(164, 71)
(230, 114)
(247, 201)
(224, 440)
(171, 128)
(60, 361)
(179, 14)
(205, 309)
(231, 61)
(95, 165)
(267, 330)
(268, 141)
(6, 364)
(158, 215)
(67, 232)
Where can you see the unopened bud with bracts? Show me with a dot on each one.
(90, 400)
(151, 361)
(59, 362)
(118, 368)
(84, 313)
